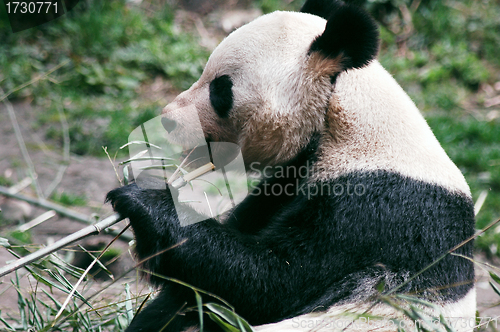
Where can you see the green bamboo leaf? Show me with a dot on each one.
(419, 316)
(128, 304)
(126, 175)
(199, 302)
(230, 316)
(495, 288)
(446, 324)
(495, 277)
(101, 265)
(417, 301)
(66, 285)
(56, 303)
(7, 325)
(225, 326)
(21, 303)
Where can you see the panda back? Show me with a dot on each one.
(372, 124)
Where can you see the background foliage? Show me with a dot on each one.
(112, 49)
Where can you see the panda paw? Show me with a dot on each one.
(151, 217)
(143, 207)
(124, 200)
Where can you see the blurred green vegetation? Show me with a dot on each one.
(443, 53)
(443, 57)
(68, 199)
(112, 49)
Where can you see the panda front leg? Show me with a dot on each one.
(167, 312)
(152, 213)
(266, 277)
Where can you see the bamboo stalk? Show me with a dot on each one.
(87, 231)
(183, 180)
(63, 211)
(47, 205)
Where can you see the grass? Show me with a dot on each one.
(110, 308)
(444, 64)
(474, 145)
(113, 52)
(69, 199)
(53, 302)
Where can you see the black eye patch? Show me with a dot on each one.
(221, 95)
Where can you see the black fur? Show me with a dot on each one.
(349, 31)
(170, 309)
(321, 8)
(221, 95)
(286, 255)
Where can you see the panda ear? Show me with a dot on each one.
(351, 34)
(321, 8)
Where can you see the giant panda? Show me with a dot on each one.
(304, 89)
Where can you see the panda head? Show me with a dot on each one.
(267, 86)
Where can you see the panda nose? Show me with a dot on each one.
(168, 124)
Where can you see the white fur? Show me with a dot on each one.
(377, 126)
(460, 316)
(267, 62)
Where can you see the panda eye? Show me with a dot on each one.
(221, 95)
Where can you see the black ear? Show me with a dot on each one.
(321, 8)
(351, 33)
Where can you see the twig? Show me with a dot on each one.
(105, 148)
(112, 220)
(47, 205)
(172, 177)
(22, 146)
(20, 185)
(53, 185)
(89, 230)
(480, 202)
(63, 211)
(66, 150)
(37, 221)
(414, 5)
(408, 29)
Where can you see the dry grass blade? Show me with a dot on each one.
(70, 295)
(56, 325)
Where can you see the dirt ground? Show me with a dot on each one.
(89, 177)
(93, 177)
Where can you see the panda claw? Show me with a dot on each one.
(121, 199)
